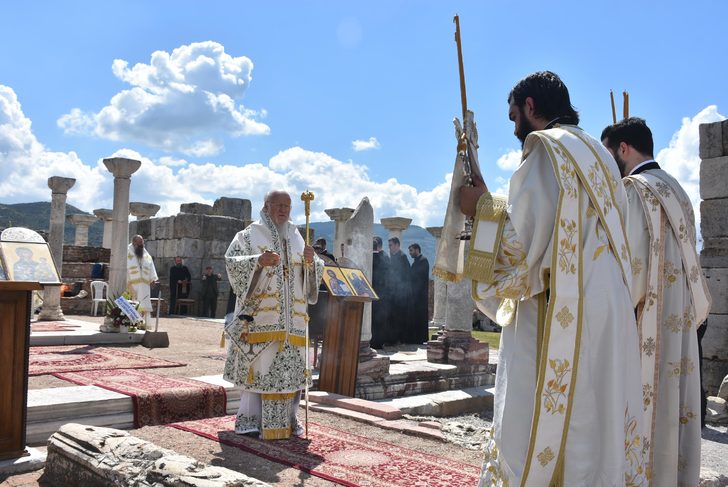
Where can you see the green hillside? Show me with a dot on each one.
(36, 216)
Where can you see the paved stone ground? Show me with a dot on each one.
(196, 343)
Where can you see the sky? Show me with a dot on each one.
(345, 99)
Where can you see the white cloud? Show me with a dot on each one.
(172, 162)
(361, 145)
(510, 160)
(26, 165)
(184, 101)
(681, 157)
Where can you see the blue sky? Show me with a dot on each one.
(346, 99)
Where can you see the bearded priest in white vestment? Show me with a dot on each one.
(140, 275)
(552, 266)
(274, 275)
(672, 300)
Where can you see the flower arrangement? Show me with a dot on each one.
(117, 317)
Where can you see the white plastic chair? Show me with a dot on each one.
(99, 291)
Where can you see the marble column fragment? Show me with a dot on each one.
(143, 211)
(81, 222)
(59, 186)
(122, 169)
(340, 216)
(395, 225)
(440, 298)
(106, 216)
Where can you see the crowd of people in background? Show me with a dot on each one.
(401, 315)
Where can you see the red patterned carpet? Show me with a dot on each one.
(51, 326)
(157, 399)
(345, 458)
(74, 358)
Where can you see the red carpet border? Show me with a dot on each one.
(59, 326)
(157, 399)
(75, 358)
(343, 457)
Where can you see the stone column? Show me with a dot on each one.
(340, 216)
(395, 225)
(51, 310)
(456, 345)
(82, 222)
(106, 216)
(714, 254)
(122, 169)
(440, 299)
(143, 211)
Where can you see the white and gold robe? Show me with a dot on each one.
(140, 273)
(672, 300)
(553, 264)
(266, 354)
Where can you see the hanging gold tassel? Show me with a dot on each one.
(251, 376)
(280, 346)
(222, 340)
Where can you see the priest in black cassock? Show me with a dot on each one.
(382, 330)
(420, 289)
(399, 291)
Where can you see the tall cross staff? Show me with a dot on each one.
(307, 198)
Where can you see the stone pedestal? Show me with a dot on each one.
(106, 216)
(714, 254)
(340, 216)
(51, 294)
(81, 222)
(440, 287)
(455, 344)
(122, 169)
(395, 225)
(143, 211)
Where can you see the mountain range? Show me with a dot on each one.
(36, 216)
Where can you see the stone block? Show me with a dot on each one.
(220, 228)
(94, 456)
(723, 389)
(78, 253)
(717, 279)
(74, 270)
(188, 225)
(196, 208)
(163, 228)
(714, 252)
(714, 178)
(713, 141)
(714, 371)
(717, 412)
(217, 248)
(714, 218)
(191, 247)
(235, 207)
(143, 228)
(152, 246)
(715, 340)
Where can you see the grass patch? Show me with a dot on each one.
(490, 337)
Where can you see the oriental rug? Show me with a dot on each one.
(157, 399)
(343, 457)
(51, 326)
(74, 358)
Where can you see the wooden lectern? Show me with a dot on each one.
(342, 330)
(15, 299)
